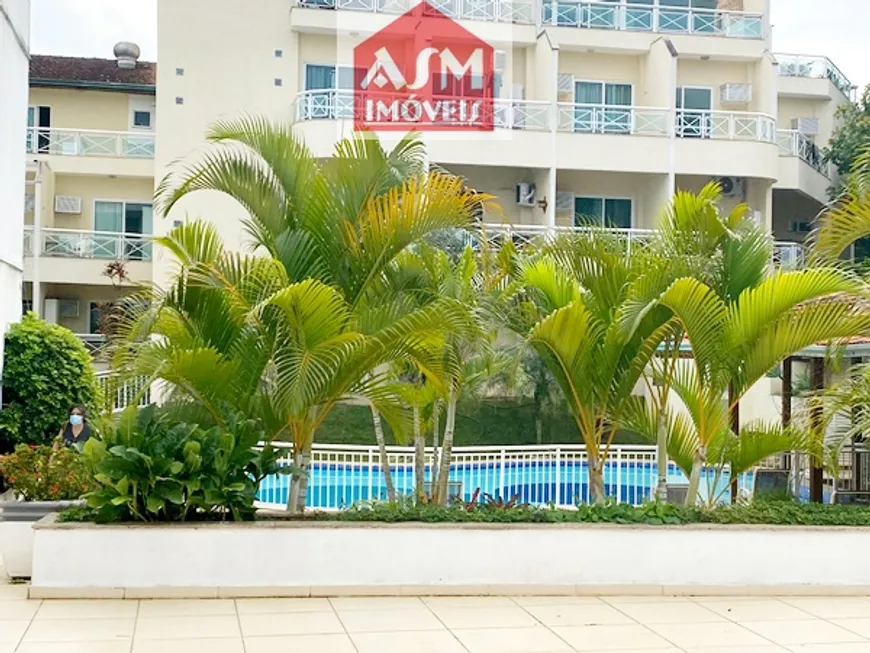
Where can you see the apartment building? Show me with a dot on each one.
(603, 108)
(90, 182)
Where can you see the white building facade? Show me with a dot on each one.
(14, 55)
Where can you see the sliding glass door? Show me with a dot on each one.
(330, 92)
(599, 107)
(694, 106)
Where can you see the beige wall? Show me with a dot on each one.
(84, 294)
(624, 69)
(501, 183)
(91, 188)
(791, 108)
(647, 192)
(84, 109)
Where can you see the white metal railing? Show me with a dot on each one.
(625, 15)
(597, 119)
(342, 475)
(793, 143)
(726, 125)
(95, 343)
(789, 255)
(802, 65)
(28, 241)
(90, 142)
(72, 243)
(126, 393)
(495, 11)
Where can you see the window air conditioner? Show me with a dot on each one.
(735, 94)
(565, 202)
(806, 126)
(68, 307)
(525, 194)
(67, 204)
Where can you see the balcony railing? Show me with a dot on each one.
(121, 394)
(794, 143)
(493, 11)
(534, 115)
(85, 142)
(72, 243)
(95, 343)
(802, 65)
(785, 254)
(628, 16)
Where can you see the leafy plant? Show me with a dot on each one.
(42, 473)
(46, 370)
(150, 467)
(498, 503)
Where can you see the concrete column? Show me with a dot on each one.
(36, 242)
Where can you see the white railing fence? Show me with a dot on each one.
(625, 15)
(802, 65)
(121, 394)
(72, 243)
(596, 119)
(522, 235)
(95, 343)
(726, 125)
(28, 241)
(89, 142)
(342, 475)
(791, 256)
(494, 11)
(793, 143)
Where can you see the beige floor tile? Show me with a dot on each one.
(16, 592)
(511, 640)
(98, 609)
(577, 615)
(385, 621)
(709, 634)
(187, 627)
(299, 623)
(12, 630)
(79, 630)
(770, 648)
(860, 626)
(669, 613)
(197, 645)
(8, 647)
(557, 600)
(301, 644)
(13, 609)
(499, 617)
(376, 603)
(813, 631)
(74, 647)
(433, 641)
(609, 638)
(185, 607)
(468, 601)
(277, 606)
(856, 647)
(754, 610)
(620, 600)
(832, 607)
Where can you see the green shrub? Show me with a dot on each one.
(40, 473)
(46, 370)
(150, 467)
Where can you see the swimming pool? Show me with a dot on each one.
(334, 485)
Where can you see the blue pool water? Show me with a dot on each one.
(341, 485)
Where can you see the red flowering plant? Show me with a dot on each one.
(43, 473)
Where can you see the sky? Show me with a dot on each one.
(90, 28)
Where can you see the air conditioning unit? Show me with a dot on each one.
(565, 84)
(564, 201)
(731, 186)
(67, 204)
(806, 126)
(735, 94)
(68, 307)
(29, 203)
(525, 194)
(500, 61)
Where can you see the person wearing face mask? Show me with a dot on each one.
(76, 430)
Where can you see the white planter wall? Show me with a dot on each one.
(302, 559)
(16, 548)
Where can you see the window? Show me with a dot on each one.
(130, 218)
(609, 212)
(38, 126)
(142, 119)
(694, 104)
(599, 107)
(324, 99)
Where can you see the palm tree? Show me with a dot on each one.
(848, 219)
(289, 335)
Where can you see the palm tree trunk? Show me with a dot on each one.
(419, 457)
(662, 462)
(446, 451)
(596, 479)
(382, 452)
(695, 476)
(435, 445)
(299, 481)
(734, 414)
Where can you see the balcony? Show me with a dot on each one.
(95, 343)
(642, 18)
(813, 67)
(795, 144)
(786, 255)
(86, 142)
(493, 11)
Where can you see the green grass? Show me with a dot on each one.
(488, 423)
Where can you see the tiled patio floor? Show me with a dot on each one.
(436, 625)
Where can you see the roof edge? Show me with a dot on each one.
(145, 89)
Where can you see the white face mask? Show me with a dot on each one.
(76, 420)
